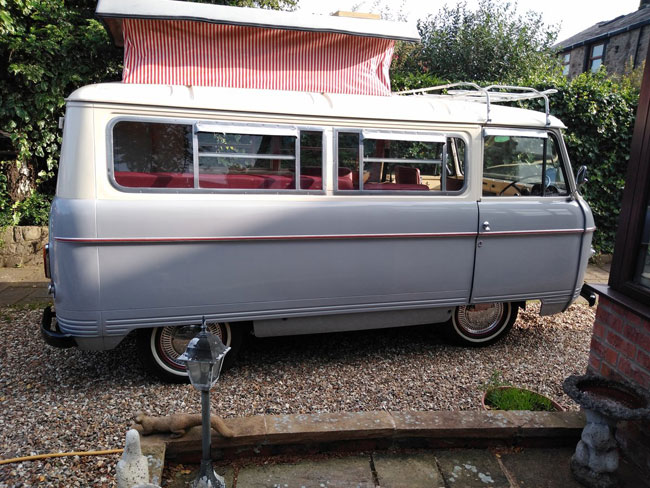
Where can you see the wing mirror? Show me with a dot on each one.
(581, 177)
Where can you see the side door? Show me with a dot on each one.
(530, 232)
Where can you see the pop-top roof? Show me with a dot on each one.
(112, 12)
(185, 43)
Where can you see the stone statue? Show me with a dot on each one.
(178, 424)
(133, 468)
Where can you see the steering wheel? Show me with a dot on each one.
(512, 184)
(536, 189)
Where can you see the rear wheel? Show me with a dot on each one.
(161, 346)
(482, 324)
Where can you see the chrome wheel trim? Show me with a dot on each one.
(481, 325)
(169, 342)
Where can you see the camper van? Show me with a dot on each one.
(282, 212)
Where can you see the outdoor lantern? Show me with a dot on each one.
(203, 358)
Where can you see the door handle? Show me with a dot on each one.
(486, 226)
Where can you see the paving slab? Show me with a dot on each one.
(185, 476)
(540, 468)
(155, 454)
(346, 472)
(13, 294)
(471, 468)
(407, 470)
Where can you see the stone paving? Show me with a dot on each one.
(467, 468)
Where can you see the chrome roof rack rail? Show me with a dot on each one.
(488, 95)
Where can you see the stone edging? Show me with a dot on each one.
(263, 434)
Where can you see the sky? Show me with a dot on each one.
(573, 15)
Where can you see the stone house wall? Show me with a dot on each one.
(620, 349)
(21, 246)
(620, 52)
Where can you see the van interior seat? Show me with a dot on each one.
(407, 175)
(133, 179)
(395, 186)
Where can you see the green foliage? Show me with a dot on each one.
(511, 398)
(34, 210)
(599, 113)
(501, 395)
(49, 48)
(492, 43)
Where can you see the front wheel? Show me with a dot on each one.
(161, 346)
(482, 324)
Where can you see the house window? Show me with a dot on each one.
(630, 271)
(596, 57)
(642, 274)
(566, 63)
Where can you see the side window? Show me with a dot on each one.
(153, 155)
(246, 161)
(376, 161)
(162, 155)
(455, 180)
(311, 160)
(517, 165)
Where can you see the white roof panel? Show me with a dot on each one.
(292, 103)
(113, 11)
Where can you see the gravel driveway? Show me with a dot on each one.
(60, 400)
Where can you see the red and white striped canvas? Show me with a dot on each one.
(180, 52)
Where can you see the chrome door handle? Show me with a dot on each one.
(486, 226)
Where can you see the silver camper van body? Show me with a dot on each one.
(284, 212)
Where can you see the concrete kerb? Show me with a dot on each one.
(331, 432)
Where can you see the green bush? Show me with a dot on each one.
(49, 48)
(34, 210)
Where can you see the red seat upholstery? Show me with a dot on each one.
(132, 179)
(407, 175)
(346, 181)
(278, 182)
(308, 182)
(394, 187)
(242, 181)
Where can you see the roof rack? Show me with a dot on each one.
(488, 95)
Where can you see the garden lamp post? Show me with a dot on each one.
(203, 358)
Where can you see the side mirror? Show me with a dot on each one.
(581, 177)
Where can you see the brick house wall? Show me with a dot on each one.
(620, 349)
(620, 344)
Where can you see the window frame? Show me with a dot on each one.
(566, 63)
(247, 128)
(547, 134)
(591, 58)
(636, 197)
(410, 135)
